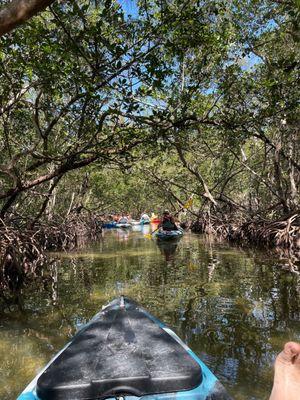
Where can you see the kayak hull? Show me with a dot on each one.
(169, 235)
(155, 221)
(202, 386)
(109, 225)
(123, 226)
(135, 223)
(144, 221)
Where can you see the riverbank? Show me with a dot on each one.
(284, 233)
(23, 247)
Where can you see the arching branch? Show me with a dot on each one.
(17, 12)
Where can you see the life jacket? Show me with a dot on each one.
(167, 223)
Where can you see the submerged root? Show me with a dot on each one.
(283, 233)
(23, 250)
(73, 233)
(21, 255)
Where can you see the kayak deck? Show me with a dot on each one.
(124, 351)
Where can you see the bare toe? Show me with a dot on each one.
(290, 354)
(287, 373)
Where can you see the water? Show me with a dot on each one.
(235, 308)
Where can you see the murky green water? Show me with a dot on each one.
(235, 308)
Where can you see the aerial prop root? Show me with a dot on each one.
(284, 232)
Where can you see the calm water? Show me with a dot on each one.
(235, 308)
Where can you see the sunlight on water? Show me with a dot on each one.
(234, 307)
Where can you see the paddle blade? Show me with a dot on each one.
(189, 203)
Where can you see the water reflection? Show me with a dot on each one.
(145, 229)
(168, 249)
(234, 307)
(123, 234)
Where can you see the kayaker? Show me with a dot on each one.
(154, 219)
(168, 222)
(123, 220)
(116, 217)
(145, 217)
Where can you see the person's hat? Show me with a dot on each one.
(166, 212)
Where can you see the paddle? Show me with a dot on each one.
(149, 235)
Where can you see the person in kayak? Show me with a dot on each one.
(168, 222)
(123, 219)
(145, 217)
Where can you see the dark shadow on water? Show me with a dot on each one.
(168, 249)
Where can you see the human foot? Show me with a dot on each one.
(287, 373)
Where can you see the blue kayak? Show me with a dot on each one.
(125, 352)
(169, 235)
(109, 225)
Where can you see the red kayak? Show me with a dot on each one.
(155, 221)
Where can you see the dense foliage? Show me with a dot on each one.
(108, 112)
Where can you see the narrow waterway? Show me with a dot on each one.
(234, 307)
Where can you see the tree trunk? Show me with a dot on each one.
(197, 174)
(46, 202)
(279, 180)
(8, 204)
(18, 11)
(293, 200)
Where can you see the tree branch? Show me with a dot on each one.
(18, 11)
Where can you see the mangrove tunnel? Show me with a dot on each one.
(119, 117)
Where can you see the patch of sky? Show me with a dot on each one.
(249, 61)
(269, 26)
(212, 89)
(129, 7)
(243, 57)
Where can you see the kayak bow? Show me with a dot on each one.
(125, 352)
